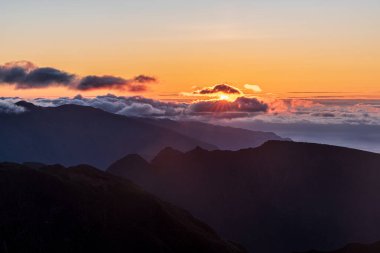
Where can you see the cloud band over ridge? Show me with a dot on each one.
(243, 109)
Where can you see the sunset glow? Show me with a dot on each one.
(202, 126)
(283, 46)
(238, 63)
(224, 97)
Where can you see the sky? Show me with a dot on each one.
(283, 46)
(305, 69)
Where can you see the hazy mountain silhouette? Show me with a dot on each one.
(279, 197)
(355, 248)
(226, 138)
(73, 134)
(81, 209)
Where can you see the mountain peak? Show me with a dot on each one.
(197, 150)
(167, 153)
(27, 105)
(131, 160)
(128, 164)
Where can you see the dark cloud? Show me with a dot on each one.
(111, 82)
(240, 105)
(12, 75)
(25, 75)
(44, 77)
(325, 115)
(101, 82)
(145, 79)
(220, 88)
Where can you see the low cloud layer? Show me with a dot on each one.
(26, 75)
(244, 110)
(352, 123)
(144, 107)
(240, 105)
(8, 106)
(129, 106)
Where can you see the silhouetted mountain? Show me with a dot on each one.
(73, 134)
(34, 165)
(355, 248)
(227, 138)
(279, 197)
(81, 209)
(28, 106)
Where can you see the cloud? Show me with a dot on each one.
(242, 106)
(144, 79)
(325, 115)
(347, 122)
(243, 109)
(322, 111)
(137, 87)
(26, 75)
(146, 107)
(100, 82)
(8, 106)
(136, 84)
(128, 106)
(253, 87)
(220, 88)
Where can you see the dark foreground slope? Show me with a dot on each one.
(226, 138)
(72, 134)
(80, 209)
(355, 248)
(280, 197)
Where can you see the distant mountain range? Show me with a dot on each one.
(48, 209)
(280, 197)
(73, 134)
(225, 138)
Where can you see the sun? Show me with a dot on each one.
(224, 97)
(227, 97)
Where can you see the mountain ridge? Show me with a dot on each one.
(300, 195)
(354, 248)
(82, 209)
(74, 134)
(224, 137)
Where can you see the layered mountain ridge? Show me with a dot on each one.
(74, 134)
(279, 197)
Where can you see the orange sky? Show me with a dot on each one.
(281, 47)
